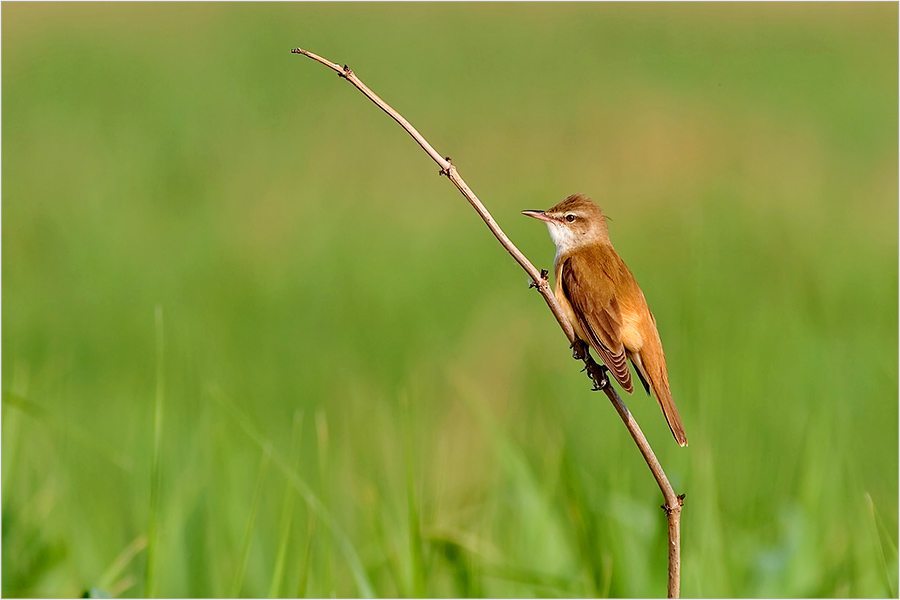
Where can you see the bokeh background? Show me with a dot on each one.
(253, 344)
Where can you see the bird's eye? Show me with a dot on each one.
(570, 217)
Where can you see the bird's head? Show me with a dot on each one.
(576, 221)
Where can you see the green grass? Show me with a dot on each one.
(361, 396)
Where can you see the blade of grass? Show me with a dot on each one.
(389, 553)
(363, 584)
(326, 572)
(238, 581)
(114, 571)
(119, 587)
(304, 574)
(287, 509)
(415, 533)
(874, 520)
(149, 589)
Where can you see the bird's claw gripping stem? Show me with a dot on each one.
(579, 350)
(597, 373)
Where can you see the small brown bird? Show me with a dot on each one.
(604, 303)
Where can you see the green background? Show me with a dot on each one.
(254, 345)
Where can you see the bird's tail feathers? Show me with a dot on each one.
(659, 382)
(660, 385)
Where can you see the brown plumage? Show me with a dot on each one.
(604, 303)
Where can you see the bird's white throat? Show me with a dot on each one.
(565, 239)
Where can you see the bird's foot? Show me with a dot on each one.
(579, 350)
(598, 375)
(596, 371)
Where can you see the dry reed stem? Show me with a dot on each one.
(673, 502)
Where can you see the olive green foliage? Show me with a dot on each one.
(254, 345)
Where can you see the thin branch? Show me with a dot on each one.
(673, 502)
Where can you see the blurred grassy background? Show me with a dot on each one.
(359, 393)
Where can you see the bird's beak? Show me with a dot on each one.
(538, 214)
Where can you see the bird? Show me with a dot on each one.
(604, 303)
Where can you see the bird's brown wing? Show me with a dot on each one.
(591, 295)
